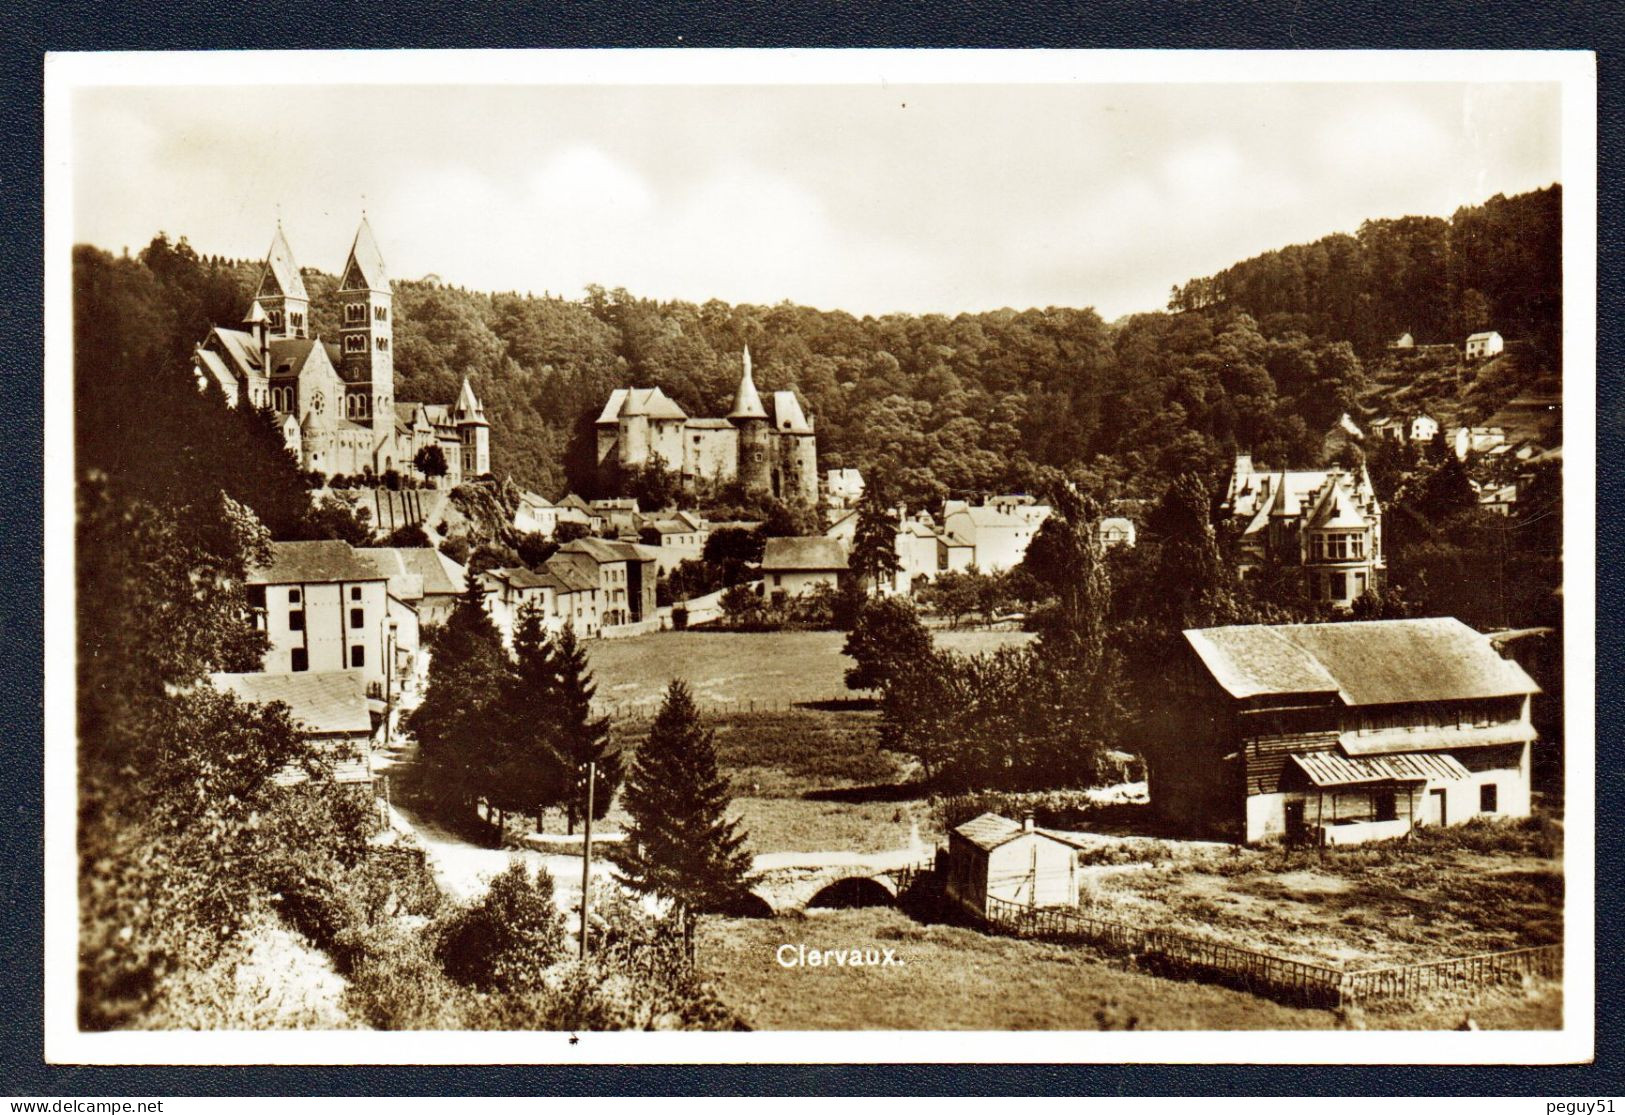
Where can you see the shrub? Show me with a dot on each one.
(507, 939)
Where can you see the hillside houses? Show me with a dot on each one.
(625, 574)
(563, 593)
(421, 576)
(1341, 732)
(843, 488)
(997, 532)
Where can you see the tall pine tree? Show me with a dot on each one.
(582, 737)
(467, 676)
(680, 845)
(531, 772)
(874, 542)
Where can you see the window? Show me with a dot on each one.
(274, 319)
(355, 342)
(355, 592)
(380, 313)
(1383, 806)
(358, 657)
(355, 313)
(256, 597)
(300, 660)
(296, 619)
(357, 617)
(293, 596)
(1488, 798)
(383, 344)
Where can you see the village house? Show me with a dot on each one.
(1476, 439)
(619, 516)
(535, 514)
(1325, 524)
(919, 556)
(1114, 530)
(993, 859)
(573, 509)
(1479, 346)
(322, 607)
(843, 488)
(795, 566)
(422, 576)
(998, 532)
(843, 528)
(623, 572)
(1404, 341)
(562, 593)
(1417, 429)
(681, 538)
(332, 713)
(1339, 733)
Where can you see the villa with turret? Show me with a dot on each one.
(335, 401)
(770, 450)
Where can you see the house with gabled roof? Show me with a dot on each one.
(332, 713)
(565, 596)
(322, 607)
(796, 566)
(1339, 733)
(1324, 523)
(994, 861)
(624, 573)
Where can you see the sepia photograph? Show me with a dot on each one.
(545, 550)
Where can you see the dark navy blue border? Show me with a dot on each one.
(35, 26)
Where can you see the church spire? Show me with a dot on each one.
(282, 290)
(747, 403)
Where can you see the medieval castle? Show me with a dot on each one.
(336, 402)
(769, 450)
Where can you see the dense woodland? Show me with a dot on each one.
(1262, 356)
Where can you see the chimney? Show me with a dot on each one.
(1027, 821)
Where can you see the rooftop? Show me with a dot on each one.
(321, 703)
(990, 830)
(805, 554)
(1378, 662)
(295, 563)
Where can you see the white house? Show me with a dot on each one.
(843, 487)
(535, 515)
(1477, 439)
(1114, 530)
(1482, 345)
(998, 536)
(993, 860)
(795, 566)
(323, 607)
(564, 595)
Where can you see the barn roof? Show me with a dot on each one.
(332, 702)
(1378, 662)
(1329, 768)
(806, 553)
(330, 560)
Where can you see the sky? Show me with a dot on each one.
(871, 199)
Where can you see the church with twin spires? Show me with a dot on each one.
(335, 401)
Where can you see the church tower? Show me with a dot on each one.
(282, 292)
(750, 419)
(366, 335)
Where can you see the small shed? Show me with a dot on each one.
(994, 859)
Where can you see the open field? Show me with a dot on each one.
(774, 669)
(1480, 888)
(960, 979)
(791, 825)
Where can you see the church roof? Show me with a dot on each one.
(288, 356)
(365, 267)
(281, 269)
(241, 349)
(212, 363)
(747, 403)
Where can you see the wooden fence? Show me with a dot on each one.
(640, 711)
(1275, 977)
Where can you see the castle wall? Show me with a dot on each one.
(710, 455)
(666, 443)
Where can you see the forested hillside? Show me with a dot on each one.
(1265, 356)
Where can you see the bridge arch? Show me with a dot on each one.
(854, 891)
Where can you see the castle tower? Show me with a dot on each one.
(366, 334)
(750, 419)
(473, 431)
(282, 292)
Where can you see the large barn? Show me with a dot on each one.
(1341, 732)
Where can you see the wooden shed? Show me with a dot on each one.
(992, 858)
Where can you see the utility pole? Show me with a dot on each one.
(586, 858)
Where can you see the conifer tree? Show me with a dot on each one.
(531, 773)
(582, 737)
(680, 845)
(467, 675)
(874, 542)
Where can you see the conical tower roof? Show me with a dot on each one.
(282, 270)
(468, 407)
(365, 267)
(747, 403)
(255, 314)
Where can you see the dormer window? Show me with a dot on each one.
(355, 313)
